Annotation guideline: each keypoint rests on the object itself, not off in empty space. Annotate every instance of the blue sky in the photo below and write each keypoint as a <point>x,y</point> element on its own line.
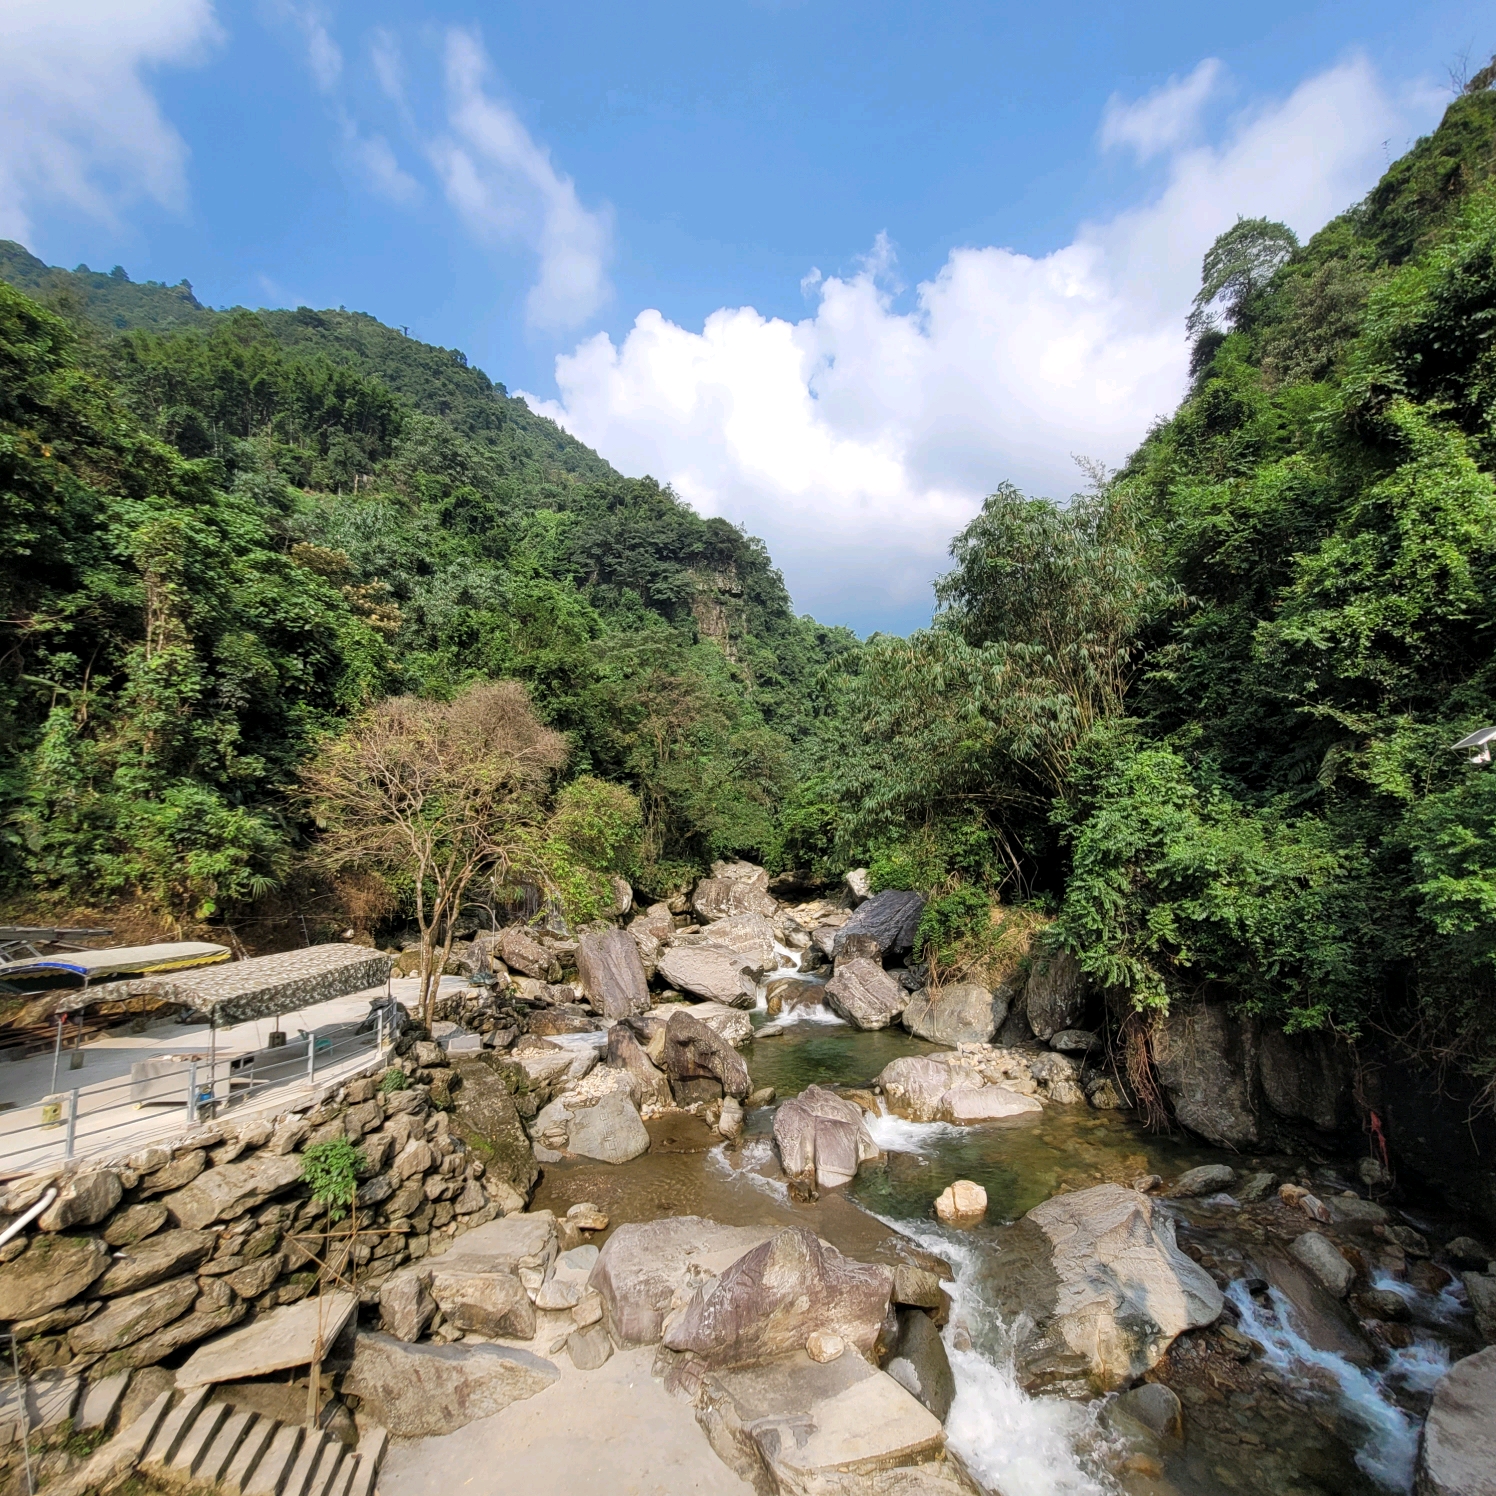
<point>966,232</point>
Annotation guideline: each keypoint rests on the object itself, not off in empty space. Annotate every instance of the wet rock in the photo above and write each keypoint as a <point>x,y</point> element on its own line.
<point>712,972</point>
<point>888,920</point>
<point>694,1052</point>
<point>1102,1288</point>
<point>644,1266</point>
<point>819,1134</point>
<point>733,888</point>
<point>1458,1453</point>
<point>1325,1260</point>
<point>133,1317</point>
<point>1153,1407</point>
<point>1464,1253</point>
<point>968,1105</point>
<point>1354,1211</point>
<point>730,1120</point>
<point>789,993</point>
<point>612,973</point>
<point>157,1257</point>
<point>226,1193</point>
<point>1105,1093</point>
<point>1382,1304</point>
<point>1054,995</point>
<point>964,1013</point>
<point>1480,1291</point>
<point>522,952</point>
<point>83,1201</point>
<point>52,1270</point>
<point>920,1364</point>
<point>938,1088</point>
<point>1254,1187</point>
<point>865,995</point>
<point>768,1302</point>
<point>587,1217</point>
<point>416,1391</point>
<point>961,1203</point>
<point>1205,1061</point>
<point>1205,1180</point>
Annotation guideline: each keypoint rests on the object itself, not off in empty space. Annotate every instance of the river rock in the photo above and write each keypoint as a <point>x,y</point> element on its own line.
<point>651,1086</point>
<point>52,1270</point>
<point>522,952</point>
<point>227,1193</point>
<point>133,1317</point>
<point>941,1088</point>
<point>693,1052</point>
<point>485,1118</point>
<point>643,1267</point>
<point>610,1130</point>
<point>1055,995</point>
<point>589,1347</point>
<point>493,1304</point>
<point>732,1025</point>
<point>155,1258</point>
<point>1325,1260</point>
<point>961,1202</point>
<point>1458,1454</point>
<point>888,919</point>
<point>1480,1291</point>
<point>1206,1180</point>
<point>1074,1041</point>
<point>865,995</point>
<point>920,1364</point>
<point>767,1302</point>
<point>1153,1407</point>
<point>961,1014</point>
<point>733,888</point>
<point>788,993</point>
<point>1205,1061</point>
<point>83,1201</point>
<point>857,887</point>
<point>819,1134</point>
<point>612,974</point>
<point>712,972</point>
<point>416,1391</point>
<point>1465,1254</point>
<point>1099,1289</point>
<point>750,935</point>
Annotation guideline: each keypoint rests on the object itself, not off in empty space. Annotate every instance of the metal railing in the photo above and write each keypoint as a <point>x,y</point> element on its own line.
<point>118,1116</point>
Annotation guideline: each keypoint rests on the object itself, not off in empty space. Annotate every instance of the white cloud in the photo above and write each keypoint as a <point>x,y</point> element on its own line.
<point>375,161</point>
<point>1167,117</point>
<point>506,188</point>
<point>323,55</point>
<point>859,439</point>
<point>79,125</point>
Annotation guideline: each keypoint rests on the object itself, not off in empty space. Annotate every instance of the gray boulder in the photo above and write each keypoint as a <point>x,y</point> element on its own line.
<point>695,1053</point>
<point>485,1118</point>
<point>1206,1180</point>
<point>889,920</point>
<point>644,1266</point>
<point>1480,1291</point>
<point>1097,1288</point>
<point>1152,1407</point>
<point>788,993</point>
<point>961,1014</point>
<point>405,1304</point>
<point>522,952</point>
<point>52,1270</point>
<point>920,1364</point>
<point>416,1391</point>
<point>820,1135</point>
<point>865,995</point>
<point>930,1088</point>
<point>610,1130</point>
<point>1074,1041</point>
<point>1326,1261</point>
<point>1308,1078</point>
<point>750,935</point>
<point>767,1302</point>
<point>493,1304</point>
<point>733,888</point>
<point>711,971</point>
<point>1205,1060</point>
<point>612,974</point>
<point>1458,1453</point>
<point>627,1053</point>
<point>1055,995</point>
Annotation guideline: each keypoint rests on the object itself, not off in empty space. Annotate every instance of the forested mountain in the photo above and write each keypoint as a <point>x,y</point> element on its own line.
<point>228,531</point>
<point>1206,710</point>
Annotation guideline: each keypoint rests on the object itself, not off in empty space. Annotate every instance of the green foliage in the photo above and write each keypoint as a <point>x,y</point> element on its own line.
<point>1237,268</point>
<point>394,1079</point>
<point>331,1170</point>
<point>952,920</point>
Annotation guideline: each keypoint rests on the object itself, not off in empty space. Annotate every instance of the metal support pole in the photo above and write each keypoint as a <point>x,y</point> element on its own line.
<point>192,1092</point>
<point>213,1061</point>
<point>379,1033</point>
<point>311,1054</point>
<point>72,1122</point>
<point>57,1051</point>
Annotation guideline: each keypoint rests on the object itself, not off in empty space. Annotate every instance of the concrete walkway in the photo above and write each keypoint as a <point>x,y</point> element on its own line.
<point>615,1430</point>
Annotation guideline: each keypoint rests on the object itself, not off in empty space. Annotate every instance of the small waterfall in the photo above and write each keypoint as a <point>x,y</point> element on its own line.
<point>1391,1446</point>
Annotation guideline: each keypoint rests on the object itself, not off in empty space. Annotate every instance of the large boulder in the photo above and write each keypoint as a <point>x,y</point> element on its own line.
<point>711,971</point>
<point>964,1013</point>
<point>488,1303</point>
<point>941,1088</point>
<point>821,1136</point>
<point>228,1192</point>
<point>733,888</point>
<point>416,1391</point>
<point>52,1270</point>
<point>612,974</point>
<point>865,995</point>
<point>750,935</point>
<point>606,1127</point>
<point>523,952</point>
<point>626,1052</point>
<point>1055,995</point>
<point>1307,1078</point>
<point>1205,1060</point>
<point>516,1243</point>
<point>485,1118</point>
<point>732,1025</point>
<point>889,920</point>
<point>767,1302</point>
<point>1098,1288</point>
<point>694,1053</point>
<point>644,1267</point>
<point>1458,1453</point>
<point>920,1364</point>
<point>1326,1261</point>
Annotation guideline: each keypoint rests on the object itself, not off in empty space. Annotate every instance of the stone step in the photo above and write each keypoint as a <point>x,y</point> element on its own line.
<point>347,1473</point>
<point>371,1448</point>
<point>246,1461</point>
<point>220,1453</point>
<point>269,1476</point>
<point>196,1439</point>
<point>174,1427</point>
<point>330,1472</point>
<point>300,1482</point>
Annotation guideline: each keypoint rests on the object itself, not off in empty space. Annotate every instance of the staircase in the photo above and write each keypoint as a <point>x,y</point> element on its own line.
<point>183,1439</point>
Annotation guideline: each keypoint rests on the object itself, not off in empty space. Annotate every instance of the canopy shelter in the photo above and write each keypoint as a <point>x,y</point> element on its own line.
<point>266,985</point>
<point>120,961</point>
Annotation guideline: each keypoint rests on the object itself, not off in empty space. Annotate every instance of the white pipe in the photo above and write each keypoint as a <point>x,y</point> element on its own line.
<point>29,1217</point>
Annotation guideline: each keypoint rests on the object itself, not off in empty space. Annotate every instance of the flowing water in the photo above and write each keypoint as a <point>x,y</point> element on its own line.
<point>1309,1415</point>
